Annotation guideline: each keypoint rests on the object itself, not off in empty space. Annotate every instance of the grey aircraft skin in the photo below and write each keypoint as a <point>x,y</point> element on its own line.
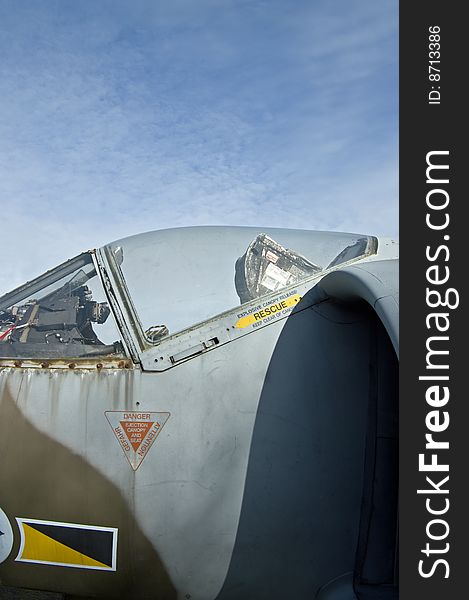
<point>203,413</point>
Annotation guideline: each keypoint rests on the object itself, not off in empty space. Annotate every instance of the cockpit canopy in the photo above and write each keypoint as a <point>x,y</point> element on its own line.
<point>177,278</point>
<point>173,280</point>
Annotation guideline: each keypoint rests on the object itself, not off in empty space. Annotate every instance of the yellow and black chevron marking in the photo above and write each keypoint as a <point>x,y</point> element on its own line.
<point>67,544</point>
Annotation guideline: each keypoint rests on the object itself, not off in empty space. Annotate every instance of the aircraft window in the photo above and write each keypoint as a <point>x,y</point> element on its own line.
<point>355,250</point>
<point>266,267</point>
<point>178,278</point>
<point>62,314</point>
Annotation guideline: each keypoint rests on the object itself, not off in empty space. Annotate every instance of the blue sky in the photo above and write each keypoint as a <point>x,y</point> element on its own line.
<point>123,116</point>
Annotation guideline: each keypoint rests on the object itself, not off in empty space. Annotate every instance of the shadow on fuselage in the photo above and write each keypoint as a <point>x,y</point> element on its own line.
<point>300,517</point>
<point>41,479</point>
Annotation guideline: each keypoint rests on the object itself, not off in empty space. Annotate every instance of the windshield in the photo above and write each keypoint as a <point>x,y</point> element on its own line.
<point>61,314</point>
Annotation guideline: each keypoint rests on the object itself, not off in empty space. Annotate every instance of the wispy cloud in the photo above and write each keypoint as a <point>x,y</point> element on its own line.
<point>120,117</point>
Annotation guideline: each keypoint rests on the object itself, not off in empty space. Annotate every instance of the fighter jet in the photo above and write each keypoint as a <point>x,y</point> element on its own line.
<point>203,413</point>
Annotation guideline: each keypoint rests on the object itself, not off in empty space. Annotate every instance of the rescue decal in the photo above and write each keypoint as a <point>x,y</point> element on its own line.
<point>6,537</point>
<point>136,432</point>
<point>269,311</point>
<point>67,544</point>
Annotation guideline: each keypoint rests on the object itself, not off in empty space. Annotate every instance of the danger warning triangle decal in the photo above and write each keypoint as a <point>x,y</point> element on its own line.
<point>136,432</point>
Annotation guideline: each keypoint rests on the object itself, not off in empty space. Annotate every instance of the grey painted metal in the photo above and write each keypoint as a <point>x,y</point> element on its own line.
<point>340,588</point>
<point>252,488</point>
<point>375,282</point>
